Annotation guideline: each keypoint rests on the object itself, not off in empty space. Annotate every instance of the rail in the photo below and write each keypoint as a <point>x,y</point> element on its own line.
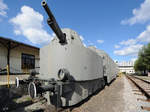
<point>148,82</point>
<point>139,87</point>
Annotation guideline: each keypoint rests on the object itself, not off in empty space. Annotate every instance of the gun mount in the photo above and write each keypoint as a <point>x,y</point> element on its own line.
<point>53,24</point>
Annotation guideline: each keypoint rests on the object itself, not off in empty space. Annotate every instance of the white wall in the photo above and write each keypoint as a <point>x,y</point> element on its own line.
<point>126,66</point>
<point>127,69</point>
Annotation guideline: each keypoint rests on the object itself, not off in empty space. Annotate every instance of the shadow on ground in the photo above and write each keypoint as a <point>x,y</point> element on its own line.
<point>8,96</point>
<point>88,98</point>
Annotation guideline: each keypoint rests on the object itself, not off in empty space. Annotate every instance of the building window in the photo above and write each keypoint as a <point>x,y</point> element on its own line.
<point>27,61</point>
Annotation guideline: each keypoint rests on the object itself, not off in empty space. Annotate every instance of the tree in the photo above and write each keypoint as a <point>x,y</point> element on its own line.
<point>139,65</point>
<point>142,64</point>
<point>147,57</point>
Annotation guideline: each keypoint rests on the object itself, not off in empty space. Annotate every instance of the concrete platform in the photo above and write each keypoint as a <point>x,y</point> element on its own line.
<point>118,97</point>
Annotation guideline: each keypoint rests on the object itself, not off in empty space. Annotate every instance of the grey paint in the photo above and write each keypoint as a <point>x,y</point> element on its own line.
<point>82,63</point>
<point>111,67</point>
<point>73,93</point>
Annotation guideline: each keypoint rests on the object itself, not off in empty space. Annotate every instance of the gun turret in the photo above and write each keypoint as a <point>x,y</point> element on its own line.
<point>53,24</point>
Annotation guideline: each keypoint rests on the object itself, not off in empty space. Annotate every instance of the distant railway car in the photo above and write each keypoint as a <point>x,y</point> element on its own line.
<point>69,72</point>
<point>109,66</point>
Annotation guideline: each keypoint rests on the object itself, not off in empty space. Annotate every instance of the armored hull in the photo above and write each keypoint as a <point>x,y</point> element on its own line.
<point>110,68</point>
<point>82,63</point>
<point>85,67</point>
<point>69,71</point>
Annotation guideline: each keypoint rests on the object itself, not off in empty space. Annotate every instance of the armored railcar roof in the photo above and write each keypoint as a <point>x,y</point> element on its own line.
<point>98,51</point>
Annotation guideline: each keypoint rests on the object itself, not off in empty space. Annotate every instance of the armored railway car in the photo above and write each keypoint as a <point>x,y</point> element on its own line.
<point>69,71</point>
<point>110,68</point>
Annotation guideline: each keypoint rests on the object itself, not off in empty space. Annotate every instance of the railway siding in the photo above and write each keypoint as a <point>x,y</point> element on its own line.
<point>142,91</point>
<point>143,85</point>
<point>143,78</point>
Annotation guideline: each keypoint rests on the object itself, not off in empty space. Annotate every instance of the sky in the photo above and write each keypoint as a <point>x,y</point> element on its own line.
<point>119,27</point>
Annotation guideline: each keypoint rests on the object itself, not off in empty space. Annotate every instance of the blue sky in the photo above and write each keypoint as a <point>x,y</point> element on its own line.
<point>119,27</point>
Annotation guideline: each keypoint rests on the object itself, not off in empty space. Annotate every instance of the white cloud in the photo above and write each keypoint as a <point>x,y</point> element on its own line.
<point>128,42</point>
<point>129,50</point>
<point>29,24</point>
<point>117,46</point>
<point>81,37</point>
<point>84,45</point>
<point>140,15</point>
<point>145,35</point>
<point>53,34</point>
<point>100,41</point>
<point>132,46</point>
<point>89,43</point>
<point>17,32</point>
<point>133,59</point>
<point>95,46</point>
<point>3,8</point>
<point>129,47</point>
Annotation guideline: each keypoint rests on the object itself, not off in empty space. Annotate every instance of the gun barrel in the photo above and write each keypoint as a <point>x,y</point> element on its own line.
<point>53,24</point>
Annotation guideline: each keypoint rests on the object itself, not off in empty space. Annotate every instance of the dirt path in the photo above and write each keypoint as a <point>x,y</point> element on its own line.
<point>117,97</point>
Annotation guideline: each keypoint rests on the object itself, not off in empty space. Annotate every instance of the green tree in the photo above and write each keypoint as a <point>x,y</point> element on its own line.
<point>141,64</point>
<point>147,57</point>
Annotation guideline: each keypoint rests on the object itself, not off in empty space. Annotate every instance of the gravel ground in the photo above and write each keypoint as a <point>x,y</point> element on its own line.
<point>130,99</point>
<point>118,97</point>
<point>142,100</point>
<point>147,78</point>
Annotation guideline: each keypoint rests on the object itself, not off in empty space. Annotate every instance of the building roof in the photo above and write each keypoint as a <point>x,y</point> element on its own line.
<point>4,40</point>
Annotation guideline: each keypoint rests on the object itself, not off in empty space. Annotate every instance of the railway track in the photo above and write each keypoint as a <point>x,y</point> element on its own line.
<point>143,88</point>
<point>146,81</point>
